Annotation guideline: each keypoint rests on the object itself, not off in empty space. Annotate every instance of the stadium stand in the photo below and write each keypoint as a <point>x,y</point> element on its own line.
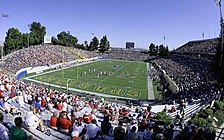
<point>81,111</point>
<point>41,55</point>
<point>88,116</point>
<point>198,47</point>
<point>128,54</point>
<point>193,76</point>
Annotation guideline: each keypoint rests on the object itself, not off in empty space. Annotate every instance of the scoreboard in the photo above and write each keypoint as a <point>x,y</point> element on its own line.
<point>130,45</point>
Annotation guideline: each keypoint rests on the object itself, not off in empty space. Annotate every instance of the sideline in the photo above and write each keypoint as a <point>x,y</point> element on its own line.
<point>150,86</point>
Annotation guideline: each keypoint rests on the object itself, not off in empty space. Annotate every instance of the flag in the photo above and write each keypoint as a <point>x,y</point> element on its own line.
<point>218,2</point>
<point>203,35</point>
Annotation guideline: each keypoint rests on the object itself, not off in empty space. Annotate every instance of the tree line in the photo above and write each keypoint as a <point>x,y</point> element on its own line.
<point>16,40</point>
<point>158,50</point>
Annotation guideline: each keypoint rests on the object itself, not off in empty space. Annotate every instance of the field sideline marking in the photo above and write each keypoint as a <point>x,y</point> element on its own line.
<point>60,69</point>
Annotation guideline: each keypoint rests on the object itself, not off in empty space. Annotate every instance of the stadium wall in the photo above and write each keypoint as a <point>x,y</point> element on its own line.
<point>172,85</point>
<point>41,69</point>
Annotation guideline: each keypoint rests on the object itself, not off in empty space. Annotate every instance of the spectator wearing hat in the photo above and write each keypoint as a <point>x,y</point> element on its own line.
<point>3,129</point>
<point>16,133</point>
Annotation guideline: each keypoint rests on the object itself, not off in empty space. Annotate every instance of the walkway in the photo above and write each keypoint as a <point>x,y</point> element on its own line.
<point>150,85</point>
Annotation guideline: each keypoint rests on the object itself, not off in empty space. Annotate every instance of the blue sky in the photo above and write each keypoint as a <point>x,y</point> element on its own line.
<point>140,21</point>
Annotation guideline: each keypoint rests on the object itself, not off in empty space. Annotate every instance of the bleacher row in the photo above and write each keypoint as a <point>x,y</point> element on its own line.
<point>42,55</point>
<point>199,46</point>
<point>193,108</point>
<point>128,54</point>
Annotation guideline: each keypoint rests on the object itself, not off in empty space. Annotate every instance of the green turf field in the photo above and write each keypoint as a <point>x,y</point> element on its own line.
<point>113,77</point>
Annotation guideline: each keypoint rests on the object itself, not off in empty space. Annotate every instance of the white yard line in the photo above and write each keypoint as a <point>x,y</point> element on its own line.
<point>109,76</point>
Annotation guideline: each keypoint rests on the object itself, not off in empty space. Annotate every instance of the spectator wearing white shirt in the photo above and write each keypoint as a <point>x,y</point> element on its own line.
<point>64,106</point>
<point>32,121</point>
<point>20,100</point>
<point>3,130</point>
<point>77,126</point>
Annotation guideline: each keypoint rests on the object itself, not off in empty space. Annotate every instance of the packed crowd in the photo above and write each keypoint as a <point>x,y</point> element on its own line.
<point>127,54</point>
<point>86,117</point>
<point>193,76</point>
<point>42,55</point>
<point>201,46</point>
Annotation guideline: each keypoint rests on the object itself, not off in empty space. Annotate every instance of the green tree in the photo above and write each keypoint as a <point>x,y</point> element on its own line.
<point>152,49</point>
<point>220,116</point>
<point>162,116</point>
<point>93,44</point>
<point>13,40</point>
<point>37,33</point>
<point>163,51</point>
<point>219,105</point>
<point>25,39</point>
<point>199,120</point>
<point>72,41</point>
<point>54,40</point>
<point>66,39</point>
<point>86,45</point>
<point>104,44</point>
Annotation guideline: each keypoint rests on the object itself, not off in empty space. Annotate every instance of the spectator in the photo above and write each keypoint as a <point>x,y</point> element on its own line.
<point>16,133</point>
<point>133,123</point>
<point>75,135</point>
<point>53,120</point>
<point>20,99</point>
<point>132,135</point>
<point>93,130</point>
<point>148,134</point>
<point>3,129</point>
<point>119,132</point>
<point>59,106</point>
<point>172,109</point>
<point>64,123</point>
<point>106,125</point>
<point>87,118</point>
<point>32,121</point>
<point>83,135</point>
<point>77,126</point>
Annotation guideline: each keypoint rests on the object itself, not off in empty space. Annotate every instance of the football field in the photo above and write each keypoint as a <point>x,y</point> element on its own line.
<point>112,77</point>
